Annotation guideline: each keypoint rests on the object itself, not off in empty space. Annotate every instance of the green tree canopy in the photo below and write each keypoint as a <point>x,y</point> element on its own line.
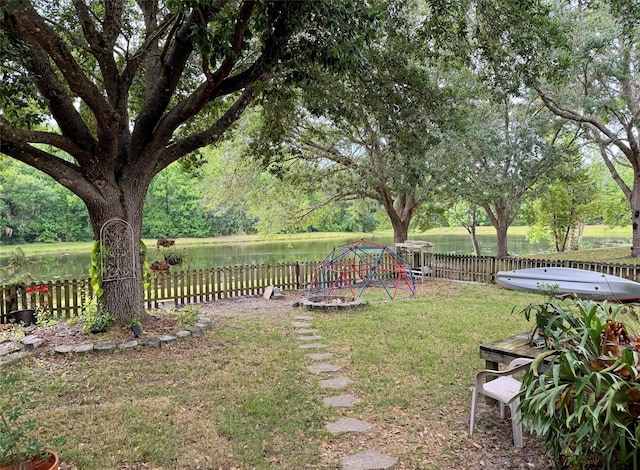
<point>591,78</point>
<point>127,88</point>
<point>369,135</point>
<point>502,158</point>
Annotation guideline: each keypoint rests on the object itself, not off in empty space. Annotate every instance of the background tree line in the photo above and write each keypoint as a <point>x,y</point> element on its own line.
<point>229,196</point>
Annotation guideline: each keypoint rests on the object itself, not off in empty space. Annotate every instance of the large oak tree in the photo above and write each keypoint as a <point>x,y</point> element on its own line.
<point>601,90</point>
<point>103,95</point>
<point>502,159</point>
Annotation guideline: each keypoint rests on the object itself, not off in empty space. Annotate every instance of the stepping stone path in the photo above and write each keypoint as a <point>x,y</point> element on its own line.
<point>309,338</point>
<point>320,356</point>
<point>365,460</point>
<point>348,425</point>
<point>323,368</point>
<point>335,384</point>
<point>313,346</point>
<point>341,401</point>
<point>368,460</point>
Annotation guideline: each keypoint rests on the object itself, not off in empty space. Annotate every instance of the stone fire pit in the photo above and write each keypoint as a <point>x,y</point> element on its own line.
<point>328,302</point>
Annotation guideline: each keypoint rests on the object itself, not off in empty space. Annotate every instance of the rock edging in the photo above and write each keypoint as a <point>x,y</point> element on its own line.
<point>28,346</point>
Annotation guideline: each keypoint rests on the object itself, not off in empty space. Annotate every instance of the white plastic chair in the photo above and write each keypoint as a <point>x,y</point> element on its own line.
<point>502,389</point>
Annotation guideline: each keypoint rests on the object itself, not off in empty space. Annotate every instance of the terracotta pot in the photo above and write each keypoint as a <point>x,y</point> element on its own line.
<point>50,463</point>
<point>26,316</point>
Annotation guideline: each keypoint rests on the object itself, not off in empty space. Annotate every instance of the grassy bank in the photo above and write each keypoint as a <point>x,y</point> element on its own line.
<point>241,396</point>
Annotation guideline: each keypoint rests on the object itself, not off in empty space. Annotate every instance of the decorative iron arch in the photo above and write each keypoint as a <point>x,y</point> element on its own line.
<point>117,243</point>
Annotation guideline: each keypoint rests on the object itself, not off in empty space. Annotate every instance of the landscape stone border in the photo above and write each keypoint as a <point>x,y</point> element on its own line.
<point>328,303</point>
<point>29,344</point>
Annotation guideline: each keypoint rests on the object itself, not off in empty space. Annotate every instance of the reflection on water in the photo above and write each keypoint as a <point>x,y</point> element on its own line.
<point>75,265</point>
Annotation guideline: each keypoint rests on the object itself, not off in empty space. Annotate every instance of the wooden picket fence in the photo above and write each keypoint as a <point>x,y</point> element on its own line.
<point>483,269</point>
<point>66,298</point>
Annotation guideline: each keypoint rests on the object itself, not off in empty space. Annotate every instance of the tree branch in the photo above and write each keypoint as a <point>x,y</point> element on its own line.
<point>31,27</point>
<point>594,122</point>
<point>14,136</point>
<point>208,137</point>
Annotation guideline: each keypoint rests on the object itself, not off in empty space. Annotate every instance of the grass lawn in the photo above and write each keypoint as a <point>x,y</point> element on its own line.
<point>241,396</point>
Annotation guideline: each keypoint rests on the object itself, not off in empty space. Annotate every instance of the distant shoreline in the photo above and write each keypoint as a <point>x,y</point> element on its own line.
<point>595,231</point>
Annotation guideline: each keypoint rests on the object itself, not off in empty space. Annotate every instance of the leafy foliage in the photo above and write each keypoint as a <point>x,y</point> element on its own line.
<point>95,318</point>
<point>502,158</point>
<point>566,204</point>
<point>583,395</point>
<point>370,137</point>
<point>128,88</point>
<point>188,316</point>
<point>593,88</point>
<point>34,208</point>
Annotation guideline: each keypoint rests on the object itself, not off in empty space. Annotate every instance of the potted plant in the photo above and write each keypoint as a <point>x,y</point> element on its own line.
<point>38,298</point>
<point>16,276</point>
<point>19,449</point>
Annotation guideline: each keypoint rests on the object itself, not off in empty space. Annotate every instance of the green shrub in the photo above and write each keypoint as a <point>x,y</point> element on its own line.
<point>95,318</point>
<point>188,316</point>
<point>583,394</point>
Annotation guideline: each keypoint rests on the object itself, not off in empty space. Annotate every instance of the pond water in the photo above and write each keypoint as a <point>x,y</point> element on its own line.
<point>75,265</point>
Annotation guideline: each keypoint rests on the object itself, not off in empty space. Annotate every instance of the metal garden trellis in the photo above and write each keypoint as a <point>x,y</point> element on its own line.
<point>117,261</point>
<point>359,265</point>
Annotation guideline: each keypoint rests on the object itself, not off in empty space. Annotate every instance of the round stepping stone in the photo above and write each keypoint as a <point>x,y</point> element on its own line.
<point>306,331</point>
<point>150,342</point>
<point>341,401</point>
<point>31,342</point>
<point>313,346</point>
<point>104,346</point>
<point>368,460</point>
<point>320,356</point>
<point>348,425</point>
<point>301,324</point>
<point>195,330</point>
<point>309,338</point>
<point>323,368</point>
<point>336,383</point>
<point>304,317</point>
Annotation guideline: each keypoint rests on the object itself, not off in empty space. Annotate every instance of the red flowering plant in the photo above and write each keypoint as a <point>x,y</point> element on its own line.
<point>40,300</point>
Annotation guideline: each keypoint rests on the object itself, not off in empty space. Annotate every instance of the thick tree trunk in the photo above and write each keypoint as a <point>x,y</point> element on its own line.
<point>502,250</point>
<point>122,283</point>
<point>501,220</point>
<point>400,230</point>
<point>634,202</point>
<point>400,212</point>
